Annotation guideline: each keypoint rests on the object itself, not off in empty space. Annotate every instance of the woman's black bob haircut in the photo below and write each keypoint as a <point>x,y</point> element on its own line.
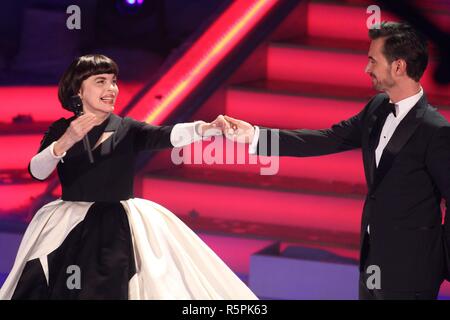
<point>81,69</point>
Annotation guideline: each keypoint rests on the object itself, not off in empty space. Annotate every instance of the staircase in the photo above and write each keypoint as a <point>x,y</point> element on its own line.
<point>309,74</point>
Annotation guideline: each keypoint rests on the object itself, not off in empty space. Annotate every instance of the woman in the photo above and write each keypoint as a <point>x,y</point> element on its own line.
<point>98,241</point>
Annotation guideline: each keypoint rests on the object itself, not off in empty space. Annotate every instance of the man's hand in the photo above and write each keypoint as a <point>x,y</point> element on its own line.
<point>233,129</point>
<point>238,130</point>
<point>214,128</point>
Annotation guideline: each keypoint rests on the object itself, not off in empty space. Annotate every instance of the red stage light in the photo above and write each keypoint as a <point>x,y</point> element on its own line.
<point>225,33</point>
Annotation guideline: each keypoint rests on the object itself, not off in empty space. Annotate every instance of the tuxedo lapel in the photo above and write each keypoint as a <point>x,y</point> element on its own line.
<point>401,136</point>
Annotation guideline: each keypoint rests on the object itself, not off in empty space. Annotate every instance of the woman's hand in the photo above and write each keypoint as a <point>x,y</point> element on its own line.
<point>77,129</point>
<point>213,128</point>
<point>238,130</point>
<point>234,129</point>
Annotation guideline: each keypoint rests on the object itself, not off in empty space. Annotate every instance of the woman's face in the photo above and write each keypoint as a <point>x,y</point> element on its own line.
<point>99,93</point>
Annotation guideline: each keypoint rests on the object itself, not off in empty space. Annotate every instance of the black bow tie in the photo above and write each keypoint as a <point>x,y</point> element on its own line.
<point>390,107</point>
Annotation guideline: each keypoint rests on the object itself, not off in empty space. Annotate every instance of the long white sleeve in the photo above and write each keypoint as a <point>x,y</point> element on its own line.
<point>183,134</point>
<point>43,164</point>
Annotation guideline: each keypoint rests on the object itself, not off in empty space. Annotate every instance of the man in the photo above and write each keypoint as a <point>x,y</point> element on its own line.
<point>406,154</point>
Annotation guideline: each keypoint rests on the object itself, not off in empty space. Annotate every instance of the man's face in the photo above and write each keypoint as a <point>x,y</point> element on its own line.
<point>378,68</point>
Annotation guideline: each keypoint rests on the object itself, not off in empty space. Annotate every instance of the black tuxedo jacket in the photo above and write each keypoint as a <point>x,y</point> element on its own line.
<point>407,239</point>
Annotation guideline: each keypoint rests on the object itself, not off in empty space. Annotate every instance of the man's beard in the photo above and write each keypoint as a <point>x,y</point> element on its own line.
<point>376,85</point>
<point>379,85</point>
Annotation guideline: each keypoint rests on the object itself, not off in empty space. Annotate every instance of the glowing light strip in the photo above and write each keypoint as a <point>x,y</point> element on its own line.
<point>219,49</point>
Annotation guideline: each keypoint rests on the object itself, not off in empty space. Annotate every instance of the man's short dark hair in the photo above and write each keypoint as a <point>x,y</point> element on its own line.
<point>79,70</point>
<point>403,42</point>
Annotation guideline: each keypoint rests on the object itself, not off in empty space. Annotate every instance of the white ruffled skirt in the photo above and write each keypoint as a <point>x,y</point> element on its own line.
<point>171,261</point>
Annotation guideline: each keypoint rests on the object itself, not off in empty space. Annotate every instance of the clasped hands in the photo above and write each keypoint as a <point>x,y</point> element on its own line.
<point>233,129</point>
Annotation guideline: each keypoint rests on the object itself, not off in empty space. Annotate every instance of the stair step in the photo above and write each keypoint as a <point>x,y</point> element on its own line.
<point>41,102</point>
<point>338,173</point>
<point>309,211</point>
<point>360,46</point>
<point>19,190</point>
<point>280,110</point>
<point>290,111</point>
<point>297,63</point>
<point>327,19</point>
<point>14,176</point>
<point>23,147</point>
<point>327,90</point>
<point>343,45</point>
<point>225,226</point>
<point>234,251</point>
<point>306,178</point>
<point>18,196</point>
<point>24,128</point>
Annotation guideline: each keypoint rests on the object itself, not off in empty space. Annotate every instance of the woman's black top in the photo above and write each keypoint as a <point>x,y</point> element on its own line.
<point>110,177</point>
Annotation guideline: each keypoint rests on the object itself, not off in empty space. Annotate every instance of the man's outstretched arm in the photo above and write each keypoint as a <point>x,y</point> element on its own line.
<point>345,135</point>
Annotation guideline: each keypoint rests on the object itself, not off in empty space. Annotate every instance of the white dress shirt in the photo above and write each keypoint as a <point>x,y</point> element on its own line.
<point>402,108</point>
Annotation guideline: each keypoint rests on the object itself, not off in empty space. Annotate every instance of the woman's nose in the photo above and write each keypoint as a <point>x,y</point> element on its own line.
<point>113,87</point>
